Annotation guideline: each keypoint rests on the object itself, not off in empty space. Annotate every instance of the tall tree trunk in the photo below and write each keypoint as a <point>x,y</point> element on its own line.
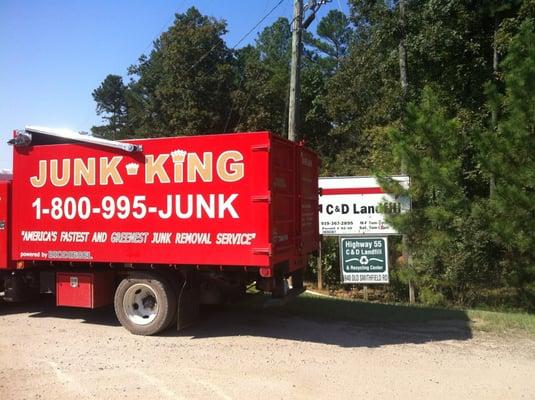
<point>494,114</point>
<point>403,51</point>
<point>404,89</point>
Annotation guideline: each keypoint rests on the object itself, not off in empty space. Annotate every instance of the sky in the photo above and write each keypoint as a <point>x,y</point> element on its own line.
<point>53,53</point>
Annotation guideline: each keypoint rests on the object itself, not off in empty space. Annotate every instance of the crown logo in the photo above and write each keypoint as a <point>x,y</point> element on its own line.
<point>178,156</point>
<point>132,168</point>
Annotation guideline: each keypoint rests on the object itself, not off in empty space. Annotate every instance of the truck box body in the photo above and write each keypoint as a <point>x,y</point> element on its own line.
<point>247,199</point>
<point>5,197</point>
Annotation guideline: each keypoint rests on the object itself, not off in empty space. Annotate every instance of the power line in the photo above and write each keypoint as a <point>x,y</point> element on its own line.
<point>232,108</point>
<point>219,44</point>
<point>258,23</point>
<point>159,32</point>
<point>241,39</point>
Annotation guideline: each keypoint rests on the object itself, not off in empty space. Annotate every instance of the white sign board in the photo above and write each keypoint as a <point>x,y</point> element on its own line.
<point>357,206</point>
<point>364,259</point>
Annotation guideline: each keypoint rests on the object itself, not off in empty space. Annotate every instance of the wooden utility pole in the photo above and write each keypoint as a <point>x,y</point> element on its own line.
<point>295,85</point>
<point>404,90</point>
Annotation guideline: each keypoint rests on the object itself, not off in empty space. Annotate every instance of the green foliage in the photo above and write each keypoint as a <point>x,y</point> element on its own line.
<point>110,97</point>
<point>453,135</point>
<point>429,146</point>
<point>334,37</point>
<point>190,98</point>
<point>431,297</point>
<point>330,263</point>
<point>183,86</point>
<point>508,155</point>
<point>260,100</point>
<point>363,96</point>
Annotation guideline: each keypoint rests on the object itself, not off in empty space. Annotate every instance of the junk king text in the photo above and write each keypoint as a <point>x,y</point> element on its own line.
<point>177,166</point>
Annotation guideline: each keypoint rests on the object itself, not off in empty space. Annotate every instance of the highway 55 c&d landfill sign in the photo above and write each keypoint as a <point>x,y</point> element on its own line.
<point>364,260</point>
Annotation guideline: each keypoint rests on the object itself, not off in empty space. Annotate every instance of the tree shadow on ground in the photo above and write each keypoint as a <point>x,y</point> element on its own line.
<point>45,307</point>
<point>334,321</point>
<point>321,320</point>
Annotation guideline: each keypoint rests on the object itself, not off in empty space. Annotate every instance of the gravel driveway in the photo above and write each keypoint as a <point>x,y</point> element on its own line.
<point>61,353</point>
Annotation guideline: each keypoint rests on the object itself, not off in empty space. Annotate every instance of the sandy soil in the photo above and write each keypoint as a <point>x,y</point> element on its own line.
<point>59,353</point>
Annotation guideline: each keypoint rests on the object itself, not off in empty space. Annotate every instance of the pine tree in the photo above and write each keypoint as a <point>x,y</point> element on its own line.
<point>110,97</point>
<point>509,155</point>
<point>429,144</point>
<point>451,248</point>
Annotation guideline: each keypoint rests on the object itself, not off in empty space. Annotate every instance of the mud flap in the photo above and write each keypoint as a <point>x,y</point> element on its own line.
<point>188,300</point>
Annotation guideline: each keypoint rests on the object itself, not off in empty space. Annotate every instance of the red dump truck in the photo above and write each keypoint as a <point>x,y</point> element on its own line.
<point>155,226</point>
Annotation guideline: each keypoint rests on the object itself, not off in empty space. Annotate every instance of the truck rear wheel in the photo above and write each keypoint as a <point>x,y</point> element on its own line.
<point>145,304</point>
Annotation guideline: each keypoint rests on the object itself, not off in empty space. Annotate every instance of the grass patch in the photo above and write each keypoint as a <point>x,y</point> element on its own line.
<point>503,322</point>
<point>329,308</point>
<point>356,310</point>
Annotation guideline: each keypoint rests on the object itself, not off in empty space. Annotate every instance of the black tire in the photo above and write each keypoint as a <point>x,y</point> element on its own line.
<point>156,297</point>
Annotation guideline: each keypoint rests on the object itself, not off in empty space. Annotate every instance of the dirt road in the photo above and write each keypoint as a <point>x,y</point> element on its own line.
<point>59,353</point>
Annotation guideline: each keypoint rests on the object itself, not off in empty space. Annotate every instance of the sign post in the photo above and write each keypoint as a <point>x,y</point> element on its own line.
<point>320,266</point>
